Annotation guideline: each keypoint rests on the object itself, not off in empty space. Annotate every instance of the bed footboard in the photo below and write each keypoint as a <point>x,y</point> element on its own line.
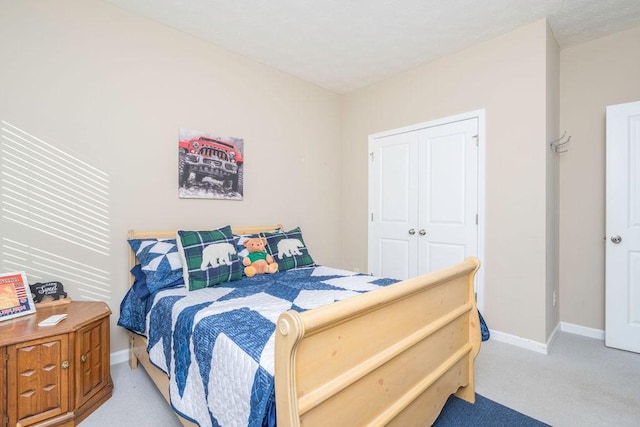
<point>387,357</point>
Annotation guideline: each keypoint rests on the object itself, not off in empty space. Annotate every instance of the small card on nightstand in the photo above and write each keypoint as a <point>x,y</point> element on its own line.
<point>53,320</point>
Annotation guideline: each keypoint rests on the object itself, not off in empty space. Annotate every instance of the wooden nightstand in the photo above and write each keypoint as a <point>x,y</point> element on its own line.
<point>55,375</point>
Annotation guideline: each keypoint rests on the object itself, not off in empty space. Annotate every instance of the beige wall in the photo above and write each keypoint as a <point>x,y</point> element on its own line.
<point>593,75</point>
<point>507,77</point>
<point>553,177</point>
<point>114,89</point>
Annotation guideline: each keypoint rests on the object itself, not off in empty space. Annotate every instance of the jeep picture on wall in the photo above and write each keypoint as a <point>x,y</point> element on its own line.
<point>210,166</point>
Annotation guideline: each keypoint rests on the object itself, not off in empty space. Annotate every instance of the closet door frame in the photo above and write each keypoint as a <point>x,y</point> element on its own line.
<point>480,116</point>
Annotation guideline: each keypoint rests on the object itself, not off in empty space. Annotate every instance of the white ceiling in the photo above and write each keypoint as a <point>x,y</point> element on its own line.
<point>343,45</point>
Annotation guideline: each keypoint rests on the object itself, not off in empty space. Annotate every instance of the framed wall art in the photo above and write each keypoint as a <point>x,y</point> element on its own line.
<point>15,296</point>
<point>210,166</point>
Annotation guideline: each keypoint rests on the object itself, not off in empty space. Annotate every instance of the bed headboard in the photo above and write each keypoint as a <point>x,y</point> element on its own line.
<point>171,234</point>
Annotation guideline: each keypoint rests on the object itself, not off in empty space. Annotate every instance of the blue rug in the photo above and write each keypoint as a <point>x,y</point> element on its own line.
<point>484,412</point>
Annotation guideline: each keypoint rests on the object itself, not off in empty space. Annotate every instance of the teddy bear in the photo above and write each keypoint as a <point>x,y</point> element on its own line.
<point>258,261</point>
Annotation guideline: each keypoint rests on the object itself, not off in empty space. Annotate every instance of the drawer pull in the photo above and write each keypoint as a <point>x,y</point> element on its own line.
<point>83,358</point>
<point>65,364</point>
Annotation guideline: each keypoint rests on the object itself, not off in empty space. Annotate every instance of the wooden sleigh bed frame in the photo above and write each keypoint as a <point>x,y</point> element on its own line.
<point>391,356</point>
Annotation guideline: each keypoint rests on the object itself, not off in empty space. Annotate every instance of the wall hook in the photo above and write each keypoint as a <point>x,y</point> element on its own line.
<point>559,144</point>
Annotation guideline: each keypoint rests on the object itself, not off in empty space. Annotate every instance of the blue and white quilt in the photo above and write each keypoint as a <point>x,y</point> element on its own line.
<point>217,344</point>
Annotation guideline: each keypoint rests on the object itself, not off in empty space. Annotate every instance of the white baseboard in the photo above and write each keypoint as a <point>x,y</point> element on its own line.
<point>582,330</point>
<point>519,342</point>
<point>120,356</point>
<point>542,347</point>
<point>553,336</point>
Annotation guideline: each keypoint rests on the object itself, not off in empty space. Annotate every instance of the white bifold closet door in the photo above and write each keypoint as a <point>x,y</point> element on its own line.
<point>423,199</point>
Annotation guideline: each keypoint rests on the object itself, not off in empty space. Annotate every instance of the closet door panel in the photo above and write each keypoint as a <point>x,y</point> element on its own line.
<point>439,255</point>
<point>394,258</point>
<point>448,201</point>
<point>394,208</point>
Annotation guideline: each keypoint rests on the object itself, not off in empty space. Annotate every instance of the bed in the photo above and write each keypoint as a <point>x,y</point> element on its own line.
<point>381,353</point>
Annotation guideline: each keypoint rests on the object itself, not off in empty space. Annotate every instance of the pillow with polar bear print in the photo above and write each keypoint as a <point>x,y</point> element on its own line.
<point>208,257</point>
<point>288,249</point>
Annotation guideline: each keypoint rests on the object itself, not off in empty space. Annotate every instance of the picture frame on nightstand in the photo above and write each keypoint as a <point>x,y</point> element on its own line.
<point>15,296</point>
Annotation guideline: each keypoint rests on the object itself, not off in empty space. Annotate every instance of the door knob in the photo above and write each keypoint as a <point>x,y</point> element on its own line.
<point>616,239</point>
<point>412,231</point>
<point>422,232</point>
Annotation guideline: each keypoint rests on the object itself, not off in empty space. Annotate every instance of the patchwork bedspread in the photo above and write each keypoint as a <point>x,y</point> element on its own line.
<point>217,344</point>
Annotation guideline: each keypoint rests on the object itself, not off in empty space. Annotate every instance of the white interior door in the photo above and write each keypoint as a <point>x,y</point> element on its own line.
<point>623,227</point>
<point>423,198</point>
<point>393,185</point>
<point>448,205</point>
